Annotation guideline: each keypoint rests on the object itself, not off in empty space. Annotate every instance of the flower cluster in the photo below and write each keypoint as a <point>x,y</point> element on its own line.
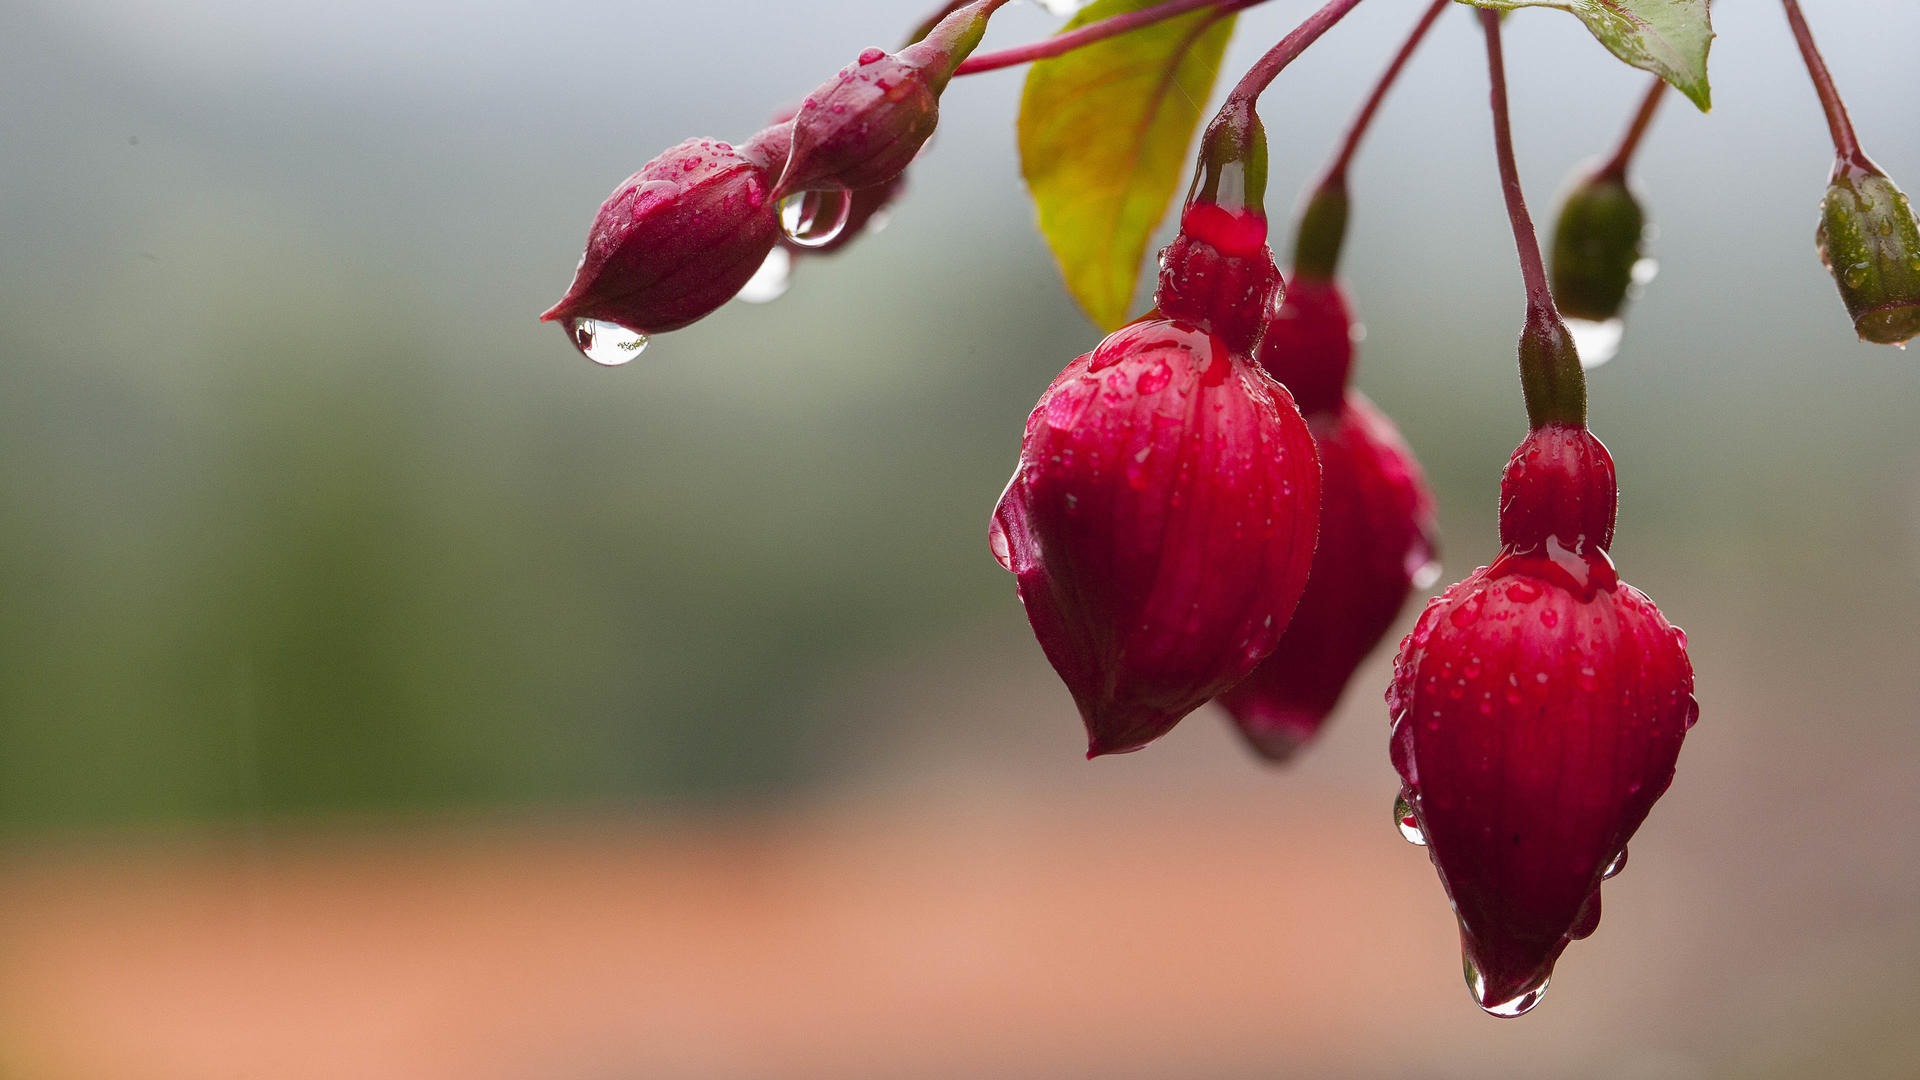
<point>1205,509</point>
<point>692,227</point>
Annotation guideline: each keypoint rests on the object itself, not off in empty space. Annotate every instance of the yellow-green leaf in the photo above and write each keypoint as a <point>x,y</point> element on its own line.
<point>1667,37</point>
<point>1104,133</point>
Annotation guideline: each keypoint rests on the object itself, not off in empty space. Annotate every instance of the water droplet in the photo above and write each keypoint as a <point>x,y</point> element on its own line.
<point>1423,569</point>
<point>1679,637</point>
<point>1597,342</point>
<point>769,283</point>
<point>815,218</point>
<point>1618,864</point>
<point>872,56</point>
<point>604,343</point>
<point>1506,1010</point>
<point>1408,825</point>
<point>1467,613</point>
<point>997,540</point>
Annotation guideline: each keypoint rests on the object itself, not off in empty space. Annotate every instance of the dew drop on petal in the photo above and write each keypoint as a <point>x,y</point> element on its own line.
<point>1618,864</point>
<point>1596,342</point>
<point>997,540</point>
<point>769,283</point>
<point>605,343</point>
<point>1408,825</point>
<point>816,218</point>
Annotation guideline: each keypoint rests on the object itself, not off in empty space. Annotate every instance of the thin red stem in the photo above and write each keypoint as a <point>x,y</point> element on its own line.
<point>1845,146</point>
<point>1336,175</point>
<point>1616,165</point>
<point>1263,72</point>
<point>1532,269</point>
<point>1550,375</point>
<point>1086,35</point>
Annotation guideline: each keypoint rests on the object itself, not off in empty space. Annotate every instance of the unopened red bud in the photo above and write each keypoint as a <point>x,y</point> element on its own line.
<point>1870,242</point>
<point>1538,710</point>
<point>863,126</point>
<point>1161,525</point>
<point>1376,528</point>
<point>672,243</point>
<point>1559,486</point>
<point>1376,542</point>
<point>1597,242</point>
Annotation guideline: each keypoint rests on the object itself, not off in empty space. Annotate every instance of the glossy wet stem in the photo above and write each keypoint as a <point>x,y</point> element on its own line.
<point>1061,44</point>
<point>1845,146</point>
<point>1616,166</point>
<point>1323,226</point>
<point>1550,375</point>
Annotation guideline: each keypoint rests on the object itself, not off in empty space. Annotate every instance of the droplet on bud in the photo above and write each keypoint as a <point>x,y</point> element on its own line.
<point>1597,342</point>
<point>1618,864</point>
<point>769,283</point>
<point>1408,825</point>
<point>604,343</point>
<point>1506,1010</point>
<point>815,218</point>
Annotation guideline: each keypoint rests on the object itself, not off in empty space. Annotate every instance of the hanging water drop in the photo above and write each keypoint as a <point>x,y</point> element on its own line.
<point>814,219</point>
<point>1618,864</point>
<point>769,283</point>
<point>1597,342</point>
<point>998,542</point>
<point>605,343</point>
<point>1423,570</point>
<point>1506,1010</point>
<point>1404,820</point>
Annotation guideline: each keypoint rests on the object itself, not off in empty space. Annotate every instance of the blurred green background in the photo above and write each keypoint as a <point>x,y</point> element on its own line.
<point>308,519</point>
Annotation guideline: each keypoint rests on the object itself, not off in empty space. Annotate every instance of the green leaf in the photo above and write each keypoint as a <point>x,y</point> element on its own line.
<point>1104,133</point>
<point>1667,37</point>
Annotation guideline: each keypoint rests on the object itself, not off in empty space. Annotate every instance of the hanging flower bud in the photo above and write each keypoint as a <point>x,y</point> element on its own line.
<point>1376,528</point>
<point>1161,520</point>
<point>863,126</point>
<point>1161,525</point>
<point>1870,242</point>
<point>1597,242</point>
<point>672,243</point>
<point>1538,710</point>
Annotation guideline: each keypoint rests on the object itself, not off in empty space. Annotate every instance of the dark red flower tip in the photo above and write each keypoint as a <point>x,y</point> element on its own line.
<point>1538,710</point>
<point>1218,274</point>
<point>1160,524</point>
<point>1308,345</point>
<point>674,241</point>
<point>1559,489</point>
<point>1376,540</point>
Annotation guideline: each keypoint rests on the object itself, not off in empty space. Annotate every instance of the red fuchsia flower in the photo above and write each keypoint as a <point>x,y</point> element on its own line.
<point>1161,520</point>
<point>1376,527</point>
<point>1538,709</point>
<point>674,241</point>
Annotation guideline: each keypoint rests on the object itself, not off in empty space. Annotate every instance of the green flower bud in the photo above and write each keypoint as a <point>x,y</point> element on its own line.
<point>1596,243</point>
<point>1870,243</point>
